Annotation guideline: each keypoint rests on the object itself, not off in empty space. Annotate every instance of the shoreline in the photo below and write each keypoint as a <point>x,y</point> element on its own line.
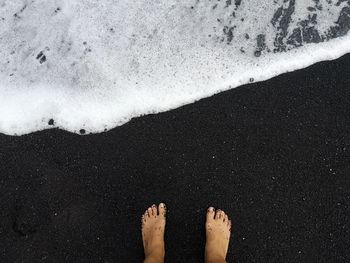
<point>274,155</point>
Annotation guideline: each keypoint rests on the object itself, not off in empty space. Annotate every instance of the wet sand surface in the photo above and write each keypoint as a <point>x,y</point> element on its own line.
<point>274,155</point>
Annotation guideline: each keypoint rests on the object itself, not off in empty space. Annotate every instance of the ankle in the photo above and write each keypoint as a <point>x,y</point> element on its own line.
<point>214,257</point>
<point>155,257</point>
<point>156,249</point>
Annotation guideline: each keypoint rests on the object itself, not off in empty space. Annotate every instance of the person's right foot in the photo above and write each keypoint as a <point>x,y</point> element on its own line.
<point>153,227</point>
<point>218,231</point>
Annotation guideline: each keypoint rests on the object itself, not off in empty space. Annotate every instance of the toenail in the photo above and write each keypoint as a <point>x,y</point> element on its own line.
<point>162,205</point>
<point>153,205</point>
<point>211,209</point>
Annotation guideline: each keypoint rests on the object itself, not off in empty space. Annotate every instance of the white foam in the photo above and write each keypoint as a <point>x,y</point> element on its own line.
<point>107,62</point>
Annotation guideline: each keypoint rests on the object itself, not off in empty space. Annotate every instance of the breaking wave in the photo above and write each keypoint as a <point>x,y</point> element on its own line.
<point>87,66</point>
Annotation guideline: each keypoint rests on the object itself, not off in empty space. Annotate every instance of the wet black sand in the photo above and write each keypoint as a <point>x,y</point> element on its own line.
<point>275,155</point>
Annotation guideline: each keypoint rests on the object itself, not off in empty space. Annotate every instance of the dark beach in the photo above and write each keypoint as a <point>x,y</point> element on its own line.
<point>274,155</point>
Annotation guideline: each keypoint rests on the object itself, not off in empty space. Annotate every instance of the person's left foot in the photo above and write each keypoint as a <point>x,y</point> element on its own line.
<point>153,227</point>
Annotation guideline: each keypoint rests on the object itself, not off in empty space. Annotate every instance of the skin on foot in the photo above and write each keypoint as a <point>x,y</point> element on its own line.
<point>218,232</point>
<point>153,227</point>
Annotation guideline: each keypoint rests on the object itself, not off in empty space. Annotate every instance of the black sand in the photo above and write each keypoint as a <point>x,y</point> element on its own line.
<point>274,155</point>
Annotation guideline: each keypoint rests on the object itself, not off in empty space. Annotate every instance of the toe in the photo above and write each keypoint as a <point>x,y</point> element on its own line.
<point>217,215</point>
<point>154,210</point>
<point>222,215</point>
<point>210,213</point>
<point>225,218</point>
<point>149,210</point>
<point>229,224</point>
<point>162,209</point>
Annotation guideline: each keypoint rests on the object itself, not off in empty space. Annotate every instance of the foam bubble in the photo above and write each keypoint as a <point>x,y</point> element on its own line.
<point>93,65</point>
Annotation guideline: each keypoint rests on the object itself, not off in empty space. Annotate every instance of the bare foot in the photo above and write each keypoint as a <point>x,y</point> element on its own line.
<point>153,227</point>
<point>218,231</point>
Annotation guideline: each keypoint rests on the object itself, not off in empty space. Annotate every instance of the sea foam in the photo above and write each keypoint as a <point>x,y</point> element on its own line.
<point>88,66</point>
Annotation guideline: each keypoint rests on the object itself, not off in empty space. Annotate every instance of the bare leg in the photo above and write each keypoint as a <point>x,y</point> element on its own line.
<point>153,227</point>
<point>218,231</point>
